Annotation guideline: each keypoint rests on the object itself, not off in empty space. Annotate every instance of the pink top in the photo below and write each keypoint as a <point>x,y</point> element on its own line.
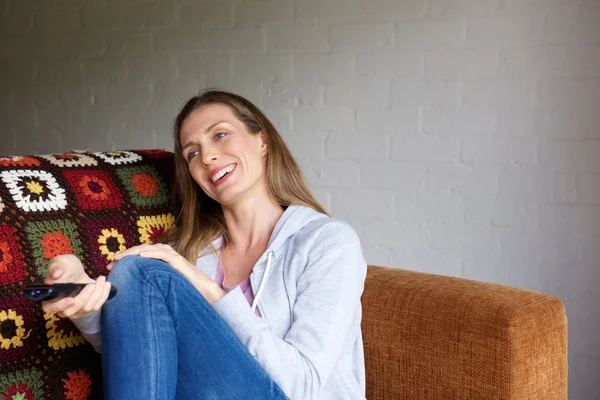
<point>244,285</point>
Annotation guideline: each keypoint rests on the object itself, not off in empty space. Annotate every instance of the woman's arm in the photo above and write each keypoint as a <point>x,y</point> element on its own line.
<point>324,315</point>
<point>90,323</point>
<point>91,328</point>
<point>84,308</point>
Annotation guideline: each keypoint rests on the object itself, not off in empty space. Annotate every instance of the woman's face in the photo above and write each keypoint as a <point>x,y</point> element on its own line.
<point>224,158</point>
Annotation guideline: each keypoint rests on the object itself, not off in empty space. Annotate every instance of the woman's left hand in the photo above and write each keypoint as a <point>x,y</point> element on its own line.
<point>206,286</point>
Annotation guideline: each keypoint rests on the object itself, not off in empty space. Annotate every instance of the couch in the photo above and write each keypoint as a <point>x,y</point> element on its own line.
<point>425,336</point>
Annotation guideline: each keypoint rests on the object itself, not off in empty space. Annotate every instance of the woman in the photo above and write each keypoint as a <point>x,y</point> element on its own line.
<point>258,295</point>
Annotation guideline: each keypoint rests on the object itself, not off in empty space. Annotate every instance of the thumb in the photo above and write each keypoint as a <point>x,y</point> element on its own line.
<point>54,272</point>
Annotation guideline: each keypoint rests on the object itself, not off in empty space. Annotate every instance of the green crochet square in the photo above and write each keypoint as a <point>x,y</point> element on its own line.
<point>49,239</point>
<point>24,384</point>
<point>144,186</point>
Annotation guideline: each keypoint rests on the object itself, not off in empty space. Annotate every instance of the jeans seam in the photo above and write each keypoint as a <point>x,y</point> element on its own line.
<point>152,344</point>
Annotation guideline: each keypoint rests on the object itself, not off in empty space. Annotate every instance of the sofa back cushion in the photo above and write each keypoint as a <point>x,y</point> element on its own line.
<point>88,204</point>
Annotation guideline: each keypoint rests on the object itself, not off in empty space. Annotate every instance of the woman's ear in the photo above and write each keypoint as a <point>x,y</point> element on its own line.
<point>264,148</point>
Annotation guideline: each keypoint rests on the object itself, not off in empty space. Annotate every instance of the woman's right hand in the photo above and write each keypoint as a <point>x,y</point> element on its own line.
<point>67,268</point>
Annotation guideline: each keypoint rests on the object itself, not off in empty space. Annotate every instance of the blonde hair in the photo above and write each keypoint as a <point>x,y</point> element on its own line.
<point>199,218</point>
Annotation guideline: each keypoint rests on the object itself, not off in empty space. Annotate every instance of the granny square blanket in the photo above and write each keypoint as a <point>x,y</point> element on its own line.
<point>88,204</point>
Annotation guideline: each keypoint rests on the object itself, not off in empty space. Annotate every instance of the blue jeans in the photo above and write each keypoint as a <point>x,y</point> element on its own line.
<point>162,340</point>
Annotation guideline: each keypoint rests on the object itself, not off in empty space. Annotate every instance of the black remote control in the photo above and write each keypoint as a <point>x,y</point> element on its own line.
<point>50,291</point>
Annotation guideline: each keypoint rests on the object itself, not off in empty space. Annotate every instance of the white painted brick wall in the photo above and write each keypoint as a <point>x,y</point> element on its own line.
<point>459,137</point>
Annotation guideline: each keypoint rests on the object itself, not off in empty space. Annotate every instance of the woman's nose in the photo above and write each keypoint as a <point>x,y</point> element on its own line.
<point>209,156</point>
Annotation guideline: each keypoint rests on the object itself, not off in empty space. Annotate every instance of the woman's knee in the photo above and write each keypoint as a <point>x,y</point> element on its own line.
<point>132,268</point>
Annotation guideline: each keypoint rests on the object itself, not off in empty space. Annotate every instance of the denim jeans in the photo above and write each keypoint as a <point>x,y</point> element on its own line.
<point>162,340</point>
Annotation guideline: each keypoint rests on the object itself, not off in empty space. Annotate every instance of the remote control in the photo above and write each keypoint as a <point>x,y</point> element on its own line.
<point>49,291</point>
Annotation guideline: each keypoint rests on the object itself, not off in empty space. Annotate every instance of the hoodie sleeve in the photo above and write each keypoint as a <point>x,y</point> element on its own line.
<point>91,328</point>
<point>324,315</point>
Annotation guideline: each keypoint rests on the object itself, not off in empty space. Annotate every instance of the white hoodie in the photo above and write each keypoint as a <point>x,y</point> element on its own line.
<point>308,285</point>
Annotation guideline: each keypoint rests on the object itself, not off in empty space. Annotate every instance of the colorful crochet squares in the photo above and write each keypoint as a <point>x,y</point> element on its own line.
<point>88,204</point>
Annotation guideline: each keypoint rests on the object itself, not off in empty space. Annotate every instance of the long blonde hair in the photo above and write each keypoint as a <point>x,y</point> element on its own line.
<point>199,218</point>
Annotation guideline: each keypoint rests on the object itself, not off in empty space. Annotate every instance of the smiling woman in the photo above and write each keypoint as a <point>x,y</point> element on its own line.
<point>256,294</point>
<point>225,114</point>
<point>224,158</point>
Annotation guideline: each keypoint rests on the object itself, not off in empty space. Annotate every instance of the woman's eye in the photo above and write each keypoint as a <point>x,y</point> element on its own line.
<point>220,135</point>
<point>191,155</point>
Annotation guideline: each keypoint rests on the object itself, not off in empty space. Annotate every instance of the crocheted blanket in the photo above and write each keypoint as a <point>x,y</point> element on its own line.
<point>88,204</point>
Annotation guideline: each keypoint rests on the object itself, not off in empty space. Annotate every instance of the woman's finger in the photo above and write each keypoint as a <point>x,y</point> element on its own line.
<point>66,268</point>
<point>57,305</point>
<point>104,297</point>
<point>132,251</point>
<point>176,261</point>
<point>55,271</point>
<point>80,300</point>
<point>160,254</point>
<point>90,306</point>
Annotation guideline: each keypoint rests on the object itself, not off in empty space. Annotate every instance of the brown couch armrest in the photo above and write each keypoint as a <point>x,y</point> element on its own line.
<point>436,337</point>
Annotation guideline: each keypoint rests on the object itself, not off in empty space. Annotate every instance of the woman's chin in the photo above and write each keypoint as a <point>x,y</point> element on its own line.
<point>232,193</point>
<point>227,198</point>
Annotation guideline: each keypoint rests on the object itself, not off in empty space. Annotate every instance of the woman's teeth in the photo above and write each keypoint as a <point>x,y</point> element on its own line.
<point>222,173</point>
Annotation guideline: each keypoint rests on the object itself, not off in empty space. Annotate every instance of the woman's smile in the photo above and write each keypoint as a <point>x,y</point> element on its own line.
<point>220,175</point>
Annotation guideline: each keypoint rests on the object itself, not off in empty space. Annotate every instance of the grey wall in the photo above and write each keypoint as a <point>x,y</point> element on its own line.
<point>459,137</point>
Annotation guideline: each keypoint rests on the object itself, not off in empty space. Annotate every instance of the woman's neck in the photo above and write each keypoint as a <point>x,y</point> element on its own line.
<point>251,222</point>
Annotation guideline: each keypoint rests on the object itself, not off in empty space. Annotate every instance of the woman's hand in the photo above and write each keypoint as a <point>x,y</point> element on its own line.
<point>206,286</point>
<point>68,269</point>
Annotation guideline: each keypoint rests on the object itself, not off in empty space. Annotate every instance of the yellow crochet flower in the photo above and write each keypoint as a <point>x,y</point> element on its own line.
<point>57,338</point>
<point>103,240</point>
<point>15,341</point>
<point>35,187</point>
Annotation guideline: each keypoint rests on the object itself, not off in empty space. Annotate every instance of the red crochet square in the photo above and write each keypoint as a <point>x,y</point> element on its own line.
<point>12,266</point>
<point>155,153</point>
<point>94,189</point>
